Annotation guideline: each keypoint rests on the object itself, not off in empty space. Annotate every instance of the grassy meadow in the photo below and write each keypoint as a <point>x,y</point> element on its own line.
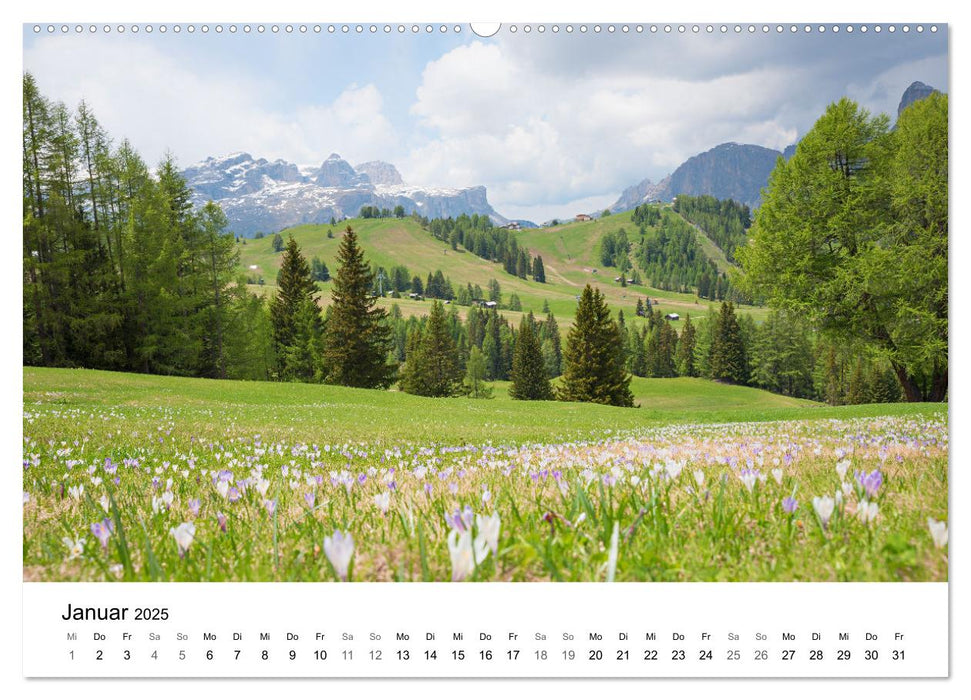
<point>570,252</point>
<point>135,477</point>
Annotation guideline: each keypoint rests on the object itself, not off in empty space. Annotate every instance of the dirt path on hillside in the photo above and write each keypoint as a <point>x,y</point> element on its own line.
<point>564,280</point>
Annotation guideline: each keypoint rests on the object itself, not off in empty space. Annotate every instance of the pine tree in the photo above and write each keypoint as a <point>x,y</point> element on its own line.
<point>432,367</point>
<point>539,272</point>
<point>592,368</point>
<point>358,339</point>
<point>552,346</point>
<point>277,243</point>
<point>685,358</point>
<point>529,377</point>
<point>727,359</point>
<point>296,288</point>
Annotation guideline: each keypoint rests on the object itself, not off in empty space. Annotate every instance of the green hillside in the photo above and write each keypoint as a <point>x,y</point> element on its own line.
<point>570,254</point>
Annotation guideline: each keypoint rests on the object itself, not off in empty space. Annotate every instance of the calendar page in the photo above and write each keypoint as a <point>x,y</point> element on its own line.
<point>453,350</point>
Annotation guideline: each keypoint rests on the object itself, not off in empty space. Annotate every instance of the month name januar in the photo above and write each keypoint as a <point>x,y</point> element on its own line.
<point>76,613</point>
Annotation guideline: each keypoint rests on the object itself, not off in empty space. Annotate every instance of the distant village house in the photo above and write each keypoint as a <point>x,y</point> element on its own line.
<point>584,217</point>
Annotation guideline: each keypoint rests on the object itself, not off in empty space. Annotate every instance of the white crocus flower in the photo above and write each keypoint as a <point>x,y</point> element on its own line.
<point>488,537</point>
<point>612,555</point>
<point>76,492</point>
<point>183,534</point>
<point>824,505</point>
<point>383,501</point>
<point>777,475</point>
<point>74,547</point>
<point>938,532</point>
<point>460,551</point>
<point>339,549</point>
<point>699,477</point>
<point>841,468</point>
<point>222,487</point>
<point>867,511</point>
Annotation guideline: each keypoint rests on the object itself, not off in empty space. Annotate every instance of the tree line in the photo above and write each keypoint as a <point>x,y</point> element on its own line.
<point>478,235</point>
<point>120,272</point>
<point>724,221</point>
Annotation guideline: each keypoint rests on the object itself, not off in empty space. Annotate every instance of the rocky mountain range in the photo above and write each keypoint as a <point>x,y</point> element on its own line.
<point>261,195</point>
<point>730,170</point>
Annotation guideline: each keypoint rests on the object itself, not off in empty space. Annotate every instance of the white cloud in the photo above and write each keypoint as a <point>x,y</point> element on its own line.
<point>159,102</point>
<point>540,138</point>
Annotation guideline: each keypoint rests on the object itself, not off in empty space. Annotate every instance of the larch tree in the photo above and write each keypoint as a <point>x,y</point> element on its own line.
<point>852,233</point>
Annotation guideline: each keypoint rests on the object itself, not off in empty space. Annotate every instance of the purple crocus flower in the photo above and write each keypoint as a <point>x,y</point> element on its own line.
<point>870,482</point>
<point>310,498</point>
<point>233,494</point>
<point>789,504</point>
<point>194,505</point>
<point>221,517</point>
<point>102,531</point>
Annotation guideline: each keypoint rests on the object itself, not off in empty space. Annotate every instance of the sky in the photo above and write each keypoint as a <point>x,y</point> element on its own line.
<point>552,124</point>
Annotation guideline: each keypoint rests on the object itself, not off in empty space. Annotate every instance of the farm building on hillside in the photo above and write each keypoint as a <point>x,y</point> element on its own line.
<point>584,217</point>
<point>512,226</point>
<point>672,317</point>
<point>484,304</point>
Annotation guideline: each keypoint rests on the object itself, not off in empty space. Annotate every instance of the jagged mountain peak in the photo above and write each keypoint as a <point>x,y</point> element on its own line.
<point>915,91</point>
<point>380,173</point>
<point>258,195</point>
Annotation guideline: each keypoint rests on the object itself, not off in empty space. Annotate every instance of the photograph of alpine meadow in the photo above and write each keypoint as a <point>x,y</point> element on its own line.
<point>407,303</point>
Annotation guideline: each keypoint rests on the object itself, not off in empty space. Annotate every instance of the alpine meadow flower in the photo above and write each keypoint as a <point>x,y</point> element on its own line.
<point>824,505</point>
<point>777,475</point>
<point>75,548</point>
<point>339,549</point>
<point>699,477</point>
<point>870,482</point>
<point>867,511</point>
<point>841,467</point>
<point>460,551</point>
<point>789,504</point>
<point>938,532</point>
<point>612,554</point>
<point>749,477</point>
<point>102,531</point>
<point>488,533</point>
<point>382,501</point>
<point>183,534</point>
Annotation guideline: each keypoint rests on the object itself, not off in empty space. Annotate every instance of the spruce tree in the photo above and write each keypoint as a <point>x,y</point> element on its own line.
<point>552,346</point>
<point>529,378</point>
<point>432,367</point>
<point>296,288</point>
<point>358,339</point>
<point>685,358</point>
<point>592,367</point>
<point>727,361</point>
<point>539,272</point>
